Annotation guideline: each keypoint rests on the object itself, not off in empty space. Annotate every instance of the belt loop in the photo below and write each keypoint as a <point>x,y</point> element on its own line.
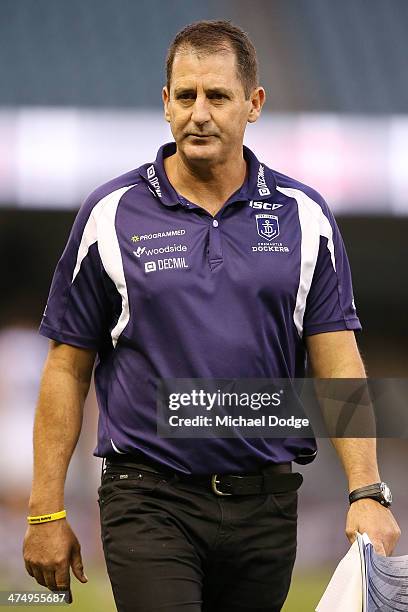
<point>103,468</point>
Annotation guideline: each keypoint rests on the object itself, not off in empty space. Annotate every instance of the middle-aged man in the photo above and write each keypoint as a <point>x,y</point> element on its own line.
<point>170,272</point>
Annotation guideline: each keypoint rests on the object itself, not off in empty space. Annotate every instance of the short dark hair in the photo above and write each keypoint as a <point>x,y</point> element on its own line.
<point>213,36</point>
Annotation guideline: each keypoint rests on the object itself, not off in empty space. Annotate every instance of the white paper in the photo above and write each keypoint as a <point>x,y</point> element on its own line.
<point>344,589</point>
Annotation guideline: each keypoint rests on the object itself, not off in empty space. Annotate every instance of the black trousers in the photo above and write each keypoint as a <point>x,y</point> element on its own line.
<point>172,546</point>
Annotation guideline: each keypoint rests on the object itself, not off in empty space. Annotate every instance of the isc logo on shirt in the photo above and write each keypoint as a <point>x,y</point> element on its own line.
<point>264,205</point>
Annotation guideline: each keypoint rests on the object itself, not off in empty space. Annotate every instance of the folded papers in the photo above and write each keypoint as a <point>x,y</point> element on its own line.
<point>367,582</point>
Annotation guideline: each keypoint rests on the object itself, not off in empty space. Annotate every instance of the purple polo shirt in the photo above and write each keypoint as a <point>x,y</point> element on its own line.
<point>161,289</point>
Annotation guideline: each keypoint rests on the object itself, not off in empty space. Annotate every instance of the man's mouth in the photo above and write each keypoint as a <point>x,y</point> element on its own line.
<point>203,136</point>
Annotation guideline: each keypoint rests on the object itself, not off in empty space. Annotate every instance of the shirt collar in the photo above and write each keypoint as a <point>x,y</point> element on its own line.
<point>156,178</point>
<point>260,183</point>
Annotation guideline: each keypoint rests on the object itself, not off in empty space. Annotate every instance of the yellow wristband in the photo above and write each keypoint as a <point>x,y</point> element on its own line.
<point>46,518</point>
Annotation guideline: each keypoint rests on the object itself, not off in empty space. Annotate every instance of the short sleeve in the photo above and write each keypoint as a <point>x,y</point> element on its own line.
<point>330,303</point>
<point>79,309</point>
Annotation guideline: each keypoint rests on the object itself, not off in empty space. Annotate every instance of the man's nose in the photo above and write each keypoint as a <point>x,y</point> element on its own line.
<point>201,111</point>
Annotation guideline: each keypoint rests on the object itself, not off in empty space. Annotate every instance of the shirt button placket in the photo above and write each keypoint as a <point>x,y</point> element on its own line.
<point>214,247</point>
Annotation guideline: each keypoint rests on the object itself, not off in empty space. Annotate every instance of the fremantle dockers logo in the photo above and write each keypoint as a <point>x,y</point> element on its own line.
<point>267,226</point>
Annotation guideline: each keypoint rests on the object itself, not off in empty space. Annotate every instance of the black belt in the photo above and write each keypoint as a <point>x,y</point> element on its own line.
<point>274,478</point>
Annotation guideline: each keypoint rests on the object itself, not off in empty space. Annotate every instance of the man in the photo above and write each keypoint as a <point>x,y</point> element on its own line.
<point>203,264</point>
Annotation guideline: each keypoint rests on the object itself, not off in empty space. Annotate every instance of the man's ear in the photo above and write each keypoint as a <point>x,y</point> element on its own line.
<point>258,97</point>
<point>166,99</point>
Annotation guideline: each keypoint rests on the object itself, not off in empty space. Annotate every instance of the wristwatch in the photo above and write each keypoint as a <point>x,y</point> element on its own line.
<point>379,491</point>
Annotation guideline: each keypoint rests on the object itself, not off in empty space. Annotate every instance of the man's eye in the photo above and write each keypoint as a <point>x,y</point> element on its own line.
<point>185,96</point>
<point>217,96</point>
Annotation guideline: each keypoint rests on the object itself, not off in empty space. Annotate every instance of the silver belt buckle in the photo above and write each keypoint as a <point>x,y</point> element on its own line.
<point>214,482</point>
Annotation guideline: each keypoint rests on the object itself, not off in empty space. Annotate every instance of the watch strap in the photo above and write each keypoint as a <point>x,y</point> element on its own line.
<point>372,491</point>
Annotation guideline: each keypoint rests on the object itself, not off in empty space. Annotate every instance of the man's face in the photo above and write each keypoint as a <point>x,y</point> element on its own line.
<point>206,106</point>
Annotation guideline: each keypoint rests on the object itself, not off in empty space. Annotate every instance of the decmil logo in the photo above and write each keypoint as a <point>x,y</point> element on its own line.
<point>261,183</point>
<point>153,180</point>
<point>173,263</point>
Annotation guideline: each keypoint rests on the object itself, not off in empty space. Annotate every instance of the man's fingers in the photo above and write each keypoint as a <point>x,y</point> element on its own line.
<point>52,579</point>
<point>379,548</point>
<point>351,535</point>
<point>62,580</point>
<point>38,575</point>
<point>29,569</point>
<point>68,598</point>
<point>49,576</point>
<point>77,567</point>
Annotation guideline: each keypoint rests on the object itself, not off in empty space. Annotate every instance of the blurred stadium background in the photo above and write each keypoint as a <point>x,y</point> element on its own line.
<point>80,103</point>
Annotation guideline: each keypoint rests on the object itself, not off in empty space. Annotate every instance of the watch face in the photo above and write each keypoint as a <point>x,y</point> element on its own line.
<point>385,490</point>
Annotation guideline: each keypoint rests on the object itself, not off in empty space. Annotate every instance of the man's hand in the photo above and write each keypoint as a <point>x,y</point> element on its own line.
<point>49,551</point>
<point>367,515</point>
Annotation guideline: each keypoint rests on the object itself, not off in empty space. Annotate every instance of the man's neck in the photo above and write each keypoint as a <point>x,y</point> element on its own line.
<point>207,186</point>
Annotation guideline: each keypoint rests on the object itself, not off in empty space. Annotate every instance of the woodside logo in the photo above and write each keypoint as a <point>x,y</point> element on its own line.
<point>139,251</point>
<point>160,250</point>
